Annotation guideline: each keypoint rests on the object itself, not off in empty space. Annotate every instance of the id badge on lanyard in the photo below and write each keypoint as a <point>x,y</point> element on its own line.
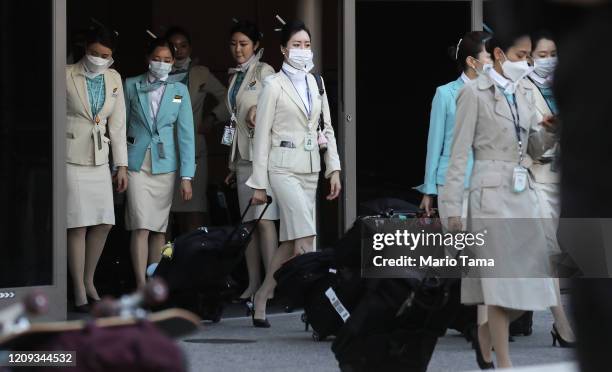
<point>229,132</point>
<point>519,179</point>
<point>310,141</point>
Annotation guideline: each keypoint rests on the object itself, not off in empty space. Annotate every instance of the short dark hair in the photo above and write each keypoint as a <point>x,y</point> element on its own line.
<point>161,42</point>
<point>503,44</point>
<point>102,35</point>
<point>291,28</point>
<point>470,45</point>
<point>536,37</point>
<point>176,30</point>
<point>248,28</point>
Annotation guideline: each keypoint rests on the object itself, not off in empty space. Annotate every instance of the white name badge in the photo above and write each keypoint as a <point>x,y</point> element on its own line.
<point>310,142</point>
<point>228,135</point>
<point>519,179</point>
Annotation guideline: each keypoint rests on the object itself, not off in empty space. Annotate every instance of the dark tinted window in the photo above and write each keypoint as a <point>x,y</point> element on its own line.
<point>26,197</point>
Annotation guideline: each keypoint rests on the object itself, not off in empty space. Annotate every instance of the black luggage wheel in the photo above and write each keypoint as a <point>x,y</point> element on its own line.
<point>316,337</point>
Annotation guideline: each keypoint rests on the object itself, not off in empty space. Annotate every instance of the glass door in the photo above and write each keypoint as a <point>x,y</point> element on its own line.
<point>394,55</point>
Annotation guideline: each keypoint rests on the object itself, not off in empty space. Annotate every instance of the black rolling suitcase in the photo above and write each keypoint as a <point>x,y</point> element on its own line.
<point>396,325</point>
<point>296,277</point>
<point>329,304</point>
<point>325,292</point>
<point>197,273</point>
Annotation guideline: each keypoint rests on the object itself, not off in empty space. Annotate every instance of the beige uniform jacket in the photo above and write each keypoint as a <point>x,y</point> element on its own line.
<point>281,116</point>
<point>247,96</point>
<point>86,143</point>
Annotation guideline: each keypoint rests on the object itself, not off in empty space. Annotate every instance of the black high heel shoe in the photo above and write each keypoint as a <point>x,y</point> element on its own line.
<point>557,337</point>
<point>92,300</point>
<point>260,323</point>
<point>482,364</point>
<point>249,306</point>
<point>82,309</point>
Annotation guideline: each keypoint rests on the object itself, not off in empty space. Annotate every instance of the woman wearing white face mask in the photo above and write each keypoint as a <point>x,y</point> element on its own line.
<point>94,105</point>
<point>286,155</point>
<point>495,118</point>
<point>472,61</point>
<point>545,169</point>
<point>245,87</point>
<point>160,137</point>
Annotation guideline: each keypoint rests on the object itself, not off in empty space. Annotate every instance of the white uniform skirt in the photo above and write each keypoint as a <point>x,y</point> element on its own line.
<point>89,199</point>
<point>149,197</point>
<point>199,183</point>
<point>296,196</point>
<point>244,168</point>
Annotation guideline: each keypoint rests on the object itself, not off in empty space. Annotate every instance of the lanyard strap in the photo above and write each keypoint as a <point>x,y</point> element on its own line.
<point>516,121</point>
<point>156,112</point>
<point>308,109</point>
<point>240,75</point>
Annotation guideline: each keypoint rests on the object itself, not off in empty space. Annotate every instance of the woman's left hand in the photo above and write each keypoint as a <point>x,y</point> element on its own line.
<point>334,186</point>
<point>550,122</point>
<point>186,190</point>
<point>251,116</point>
<point>121,179</point>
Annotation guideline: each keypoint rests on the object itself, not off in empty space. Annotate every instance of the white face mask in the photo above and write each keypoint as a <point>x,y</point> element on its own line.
<point>515,71</point>
<point>160,69</point>
<point>96,65</point>
<point>486,67</point>
<point>545,67</point>
<point>300,59</point>
<point>182,64</point>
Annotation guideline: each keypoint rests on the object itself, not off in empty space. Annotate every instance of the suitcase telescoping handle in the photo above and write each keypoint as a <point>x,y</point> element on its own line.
<point>268,202</point>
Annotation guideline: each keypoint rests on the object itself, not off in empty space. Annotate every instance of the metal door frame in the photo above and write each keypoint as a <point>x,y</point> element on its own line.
<point>56,291</point>
<point>348,102</point>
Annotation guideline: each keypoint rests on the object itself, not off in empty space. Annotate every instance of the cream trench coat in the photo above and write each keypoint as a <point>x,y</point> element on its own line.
<point>514,234</point>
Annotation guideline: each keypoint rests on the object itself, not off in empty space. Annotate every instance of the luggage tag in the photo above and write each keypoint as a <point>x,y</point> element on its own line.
<point>229,132</point>
<point>160,150</point>
<point>519,179</point>
<point>310,141</point>
<point>337,304</point>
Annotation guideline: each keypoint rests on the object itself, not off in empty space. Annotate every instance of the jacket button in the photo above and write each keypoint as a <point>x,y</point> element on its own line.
<point>505,149</point>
